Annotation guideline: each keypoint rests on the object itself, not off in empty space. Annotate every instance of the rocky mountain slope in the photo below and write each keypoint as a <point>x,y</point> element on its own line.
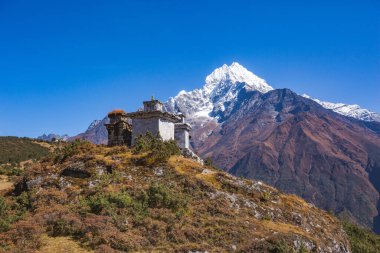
<point>112,200</point>
<point>300,147</point>
<point>95,133</point>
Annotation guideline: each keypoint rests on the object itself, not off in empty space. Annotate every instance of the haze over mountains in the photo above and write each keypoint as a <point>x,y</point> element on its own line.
<point>327,153</point>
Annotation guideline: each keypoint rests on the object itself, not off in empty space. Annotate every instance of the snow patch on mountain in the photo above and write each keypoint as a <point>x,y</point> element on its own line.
<point>93,124</point>
<point>353,111</point>
<point>221,89</point>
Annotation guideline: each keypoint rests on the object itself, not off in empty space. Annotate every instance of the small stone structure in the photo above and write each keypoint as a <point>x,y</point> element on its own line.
<point>182,133</point>
<point>125,128</point>
<point>119,129</point>
<point>154,120</point>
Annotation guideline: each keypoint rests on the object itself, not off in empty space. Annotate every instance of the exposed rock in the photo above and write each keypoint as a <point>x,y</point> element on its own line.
<point>76,170</point>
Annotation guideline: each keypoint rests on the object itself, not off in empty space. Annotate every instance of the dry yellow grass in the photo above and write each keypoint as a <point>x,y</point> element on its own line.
<point>189,167</point>
<point>45,145</point>
<point>210,178</point>
<point>285,228</point>
<point>185,166</point>
<point>5,184</point>
<point>300,204</point>
<point>61,244</point>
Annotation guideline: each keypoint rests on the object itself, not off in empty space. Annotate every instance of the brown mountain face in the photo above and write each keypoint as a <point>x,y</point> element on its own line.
<point>97,134</point>
<point>296,145</point>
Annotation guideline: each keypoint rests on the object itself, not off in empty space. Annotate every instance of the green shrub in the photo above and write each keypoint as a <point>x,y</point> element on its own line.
<point>13,210</point>
<point>3,207</point>
<point>72,148</point>
<point>160,196</point>
<point>265,196</point>
<point>303,248</point>
<point>157,196</point>
<point>4,218</point>
<point>10,170</point>
<point>23,202</point>
<point>208,162</point>
<point>362,240</point>
<point>98,203</point>
<point>109,202</point>
<point>121,200</point>
<point>282,247</point>
<point>159,151</point>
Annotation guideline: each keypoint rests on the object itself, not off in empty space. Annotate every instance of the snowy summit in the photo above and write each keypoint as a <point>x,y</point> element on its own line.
<point>235,73</point>
<point>220,90</point>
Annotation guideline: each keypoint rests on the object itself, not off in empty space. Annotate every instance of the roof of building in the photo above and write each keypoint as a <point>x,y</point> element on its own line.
<point>155,114</point>
<point>152,101</point>
<point>117,112</point>
<point>185,126</point>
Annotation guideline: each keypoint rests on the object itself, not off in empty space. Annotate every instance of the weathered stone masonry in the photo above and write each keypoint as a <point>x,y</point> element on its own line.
<point>124,128</point>
<point>119,129</point>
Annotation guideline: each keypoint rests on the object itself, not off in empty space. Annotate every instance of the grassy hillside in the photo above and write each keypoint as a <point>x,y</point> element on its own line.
<point>149,199</point>
<point>14,150</point>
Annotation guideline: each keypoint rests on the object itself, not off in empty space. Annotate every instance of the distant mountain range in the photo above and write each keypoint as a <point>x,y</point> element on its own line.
<point>52,137</point>
<point>353,111</point>
<point>327,153</point>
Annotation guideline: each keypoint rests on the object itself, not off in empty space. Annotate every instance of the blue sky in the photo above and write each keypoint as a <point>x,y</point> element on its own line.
<point>65,63</point>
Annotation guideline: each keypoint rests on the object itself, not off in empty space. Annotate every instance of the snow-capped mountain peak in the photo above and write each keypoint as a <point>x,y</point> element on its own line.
<point>221,89</point>
<point>353,111</point>
<point>235,73</point>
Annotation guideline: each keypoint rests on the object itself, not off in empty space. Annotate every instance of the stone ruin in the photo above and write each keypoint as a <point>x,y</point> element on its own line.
<point>124,128</point>
<point>119,129</point>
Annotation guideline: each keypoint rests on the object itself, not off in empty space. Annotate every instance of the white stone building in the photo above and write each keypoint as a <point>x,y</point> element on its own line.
<point>154,120</point>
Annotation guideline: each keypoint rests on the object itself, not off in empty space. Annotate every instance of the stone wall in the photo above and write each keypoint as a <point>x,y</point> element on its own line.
<point>152,125</point>
<point>119,134</point>
<point>182,138</point>
<point>166,129</point>
<point>142,126</point>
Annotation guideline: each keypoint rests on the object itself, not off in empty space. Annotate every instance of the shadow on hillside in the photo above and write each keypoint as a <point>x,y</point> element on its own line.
<point>376,221</point>
<point>374,177</point>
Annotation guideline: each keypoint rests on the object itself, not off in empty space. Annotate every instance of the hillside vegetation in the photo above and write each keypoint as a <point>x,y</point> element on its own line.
<point>15,149</point>
<point>15,154</point>
<point>150,199</point>
<point>362,240</point>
